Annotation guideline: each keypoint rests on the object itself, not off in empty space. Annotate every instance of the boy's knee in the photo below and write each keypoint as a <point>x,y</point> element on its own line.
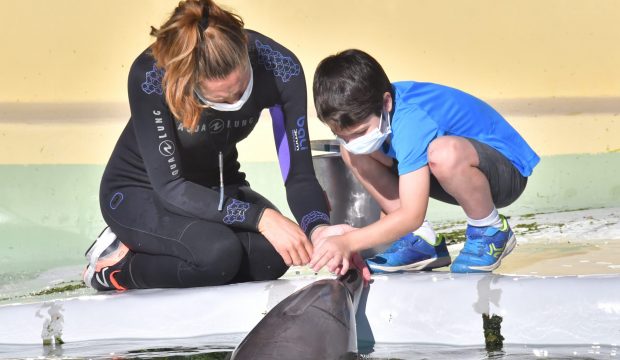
<point>443,156</point>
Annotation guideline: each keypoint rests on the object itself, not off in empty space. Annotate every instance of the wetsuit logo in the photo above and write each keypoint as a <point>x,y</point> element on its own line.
<point>166,148</point>
<point>282,66</point>
<point>153,81</point>
<point>299,135</point>
<point>116,200</point>
<point>216,126</point>
<point>235,212</point>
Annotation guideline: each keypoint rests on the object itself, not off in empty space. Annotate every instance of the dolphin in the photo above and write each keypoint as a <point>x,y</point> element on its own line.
<point>315,322</point>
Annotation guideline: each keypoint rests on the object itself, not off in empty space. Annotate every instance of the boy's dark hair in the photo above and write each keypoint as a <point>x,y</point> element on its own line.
<point>348,87</point>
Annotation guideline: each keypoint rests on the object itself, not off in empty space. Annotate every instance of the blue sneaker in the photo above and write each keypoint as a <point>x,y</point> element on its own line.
<point>411,252</point>
<point>484,249</point>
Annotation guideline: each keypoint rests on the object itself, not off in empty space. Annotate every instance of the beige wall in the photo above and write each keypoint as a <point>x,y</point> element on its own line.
<point>518,52</point>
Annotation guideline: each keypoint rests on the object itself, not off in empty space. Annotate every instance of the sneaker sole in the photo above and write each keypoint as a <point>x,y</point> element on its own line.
<point>92,254</point>
<point>87,275</point>
<point>421,265</point>
<point>89,251</point>
<point>510,245</point>
<point>103,242</point>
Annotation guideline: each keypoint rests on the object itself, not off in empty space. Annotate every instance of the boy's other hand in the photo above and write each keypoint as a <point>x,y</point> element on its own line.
<point>360,264</point>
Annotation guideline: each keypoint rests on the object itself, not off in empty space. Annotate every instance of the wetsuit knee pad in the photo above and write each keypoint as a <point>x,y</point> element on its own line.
<point>213,247</point>
<point>262,260</point>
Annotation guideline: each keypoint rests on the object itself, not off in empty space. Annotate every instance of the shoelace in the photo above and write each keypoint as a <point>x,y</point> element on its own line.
<point>399,244</point>
<point>474,246</point>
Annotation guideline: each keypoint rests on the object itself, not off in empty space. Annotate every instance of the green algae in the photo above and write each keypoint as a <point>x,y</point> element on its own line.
<point>59,289</point>
<point>527,227</point>
<point>494,341</point>
<point>454,236</point>
<point>56,340</point>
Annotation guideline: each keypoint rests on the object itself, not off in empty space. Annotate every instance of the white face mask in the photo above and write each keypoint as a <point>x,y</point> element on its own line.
<point>230,107</point>
<point>370,142</point>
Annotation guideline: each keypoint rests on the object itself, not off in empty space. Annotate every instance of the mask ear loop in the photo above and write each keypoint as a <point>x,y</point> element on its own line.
<point>385,116</point>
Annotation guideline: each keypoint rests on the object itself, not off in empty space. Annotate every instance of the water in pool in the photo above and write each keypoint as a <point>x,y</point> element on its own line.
<point>384,352</point>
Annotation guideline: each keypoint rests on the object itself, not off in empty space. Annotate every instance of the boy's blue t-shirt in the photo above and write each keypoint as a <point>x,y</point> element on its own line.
<point>425,111</point>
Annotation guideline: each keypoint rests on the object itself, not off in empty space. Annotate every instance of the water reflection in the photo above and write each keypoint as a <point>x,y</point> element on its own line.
<point>382,352</point>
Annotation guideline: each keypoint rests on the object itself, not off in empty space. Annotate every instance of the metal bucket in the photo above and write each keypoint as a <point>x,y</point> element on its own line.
<point>350,203</point>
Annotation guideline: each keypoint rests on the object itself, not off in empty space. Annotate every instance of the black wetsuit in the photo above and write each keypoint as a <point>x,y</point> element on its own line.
<point>160,189</point>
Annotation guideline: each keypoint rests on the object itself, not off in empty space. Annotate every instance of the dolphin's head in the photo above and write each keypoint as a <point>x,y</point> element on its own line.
<point>315,322</point>
<point>354,283</point>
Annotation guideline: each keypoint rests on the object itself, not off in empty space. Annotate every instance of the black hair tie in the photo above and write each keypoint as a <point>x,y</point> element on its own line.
<point>204,21</point>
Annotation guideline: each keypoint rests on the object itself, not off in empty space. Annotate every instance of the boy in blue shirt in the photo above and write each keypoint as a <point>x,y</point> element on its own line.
<point>406,142</point>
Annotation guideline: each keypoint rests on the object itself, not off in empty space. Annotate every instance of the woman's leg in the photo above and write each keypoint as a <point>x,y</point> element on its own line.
<point>167,249</point>
<point>260,260</point>
<point>171,250</point>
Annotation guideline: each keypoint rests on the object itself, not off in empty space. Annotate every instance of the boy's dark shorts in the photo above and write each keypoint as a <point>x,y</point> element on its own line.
<point>506,182</point>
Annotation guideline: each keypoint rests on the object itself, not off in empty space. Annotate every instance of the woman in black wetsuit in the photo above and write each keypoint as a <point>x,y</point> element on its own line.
<point>179,211</point>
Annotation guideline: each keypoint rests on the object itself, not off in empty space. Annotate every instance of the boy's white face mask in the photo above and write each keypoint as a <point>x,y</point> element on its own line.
<point>370,142</point>
<point>230,107</point>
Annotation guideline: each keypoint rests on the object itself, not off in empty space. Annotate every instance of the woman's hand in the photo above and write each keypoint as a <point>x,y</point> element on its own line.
<point>286,237</point>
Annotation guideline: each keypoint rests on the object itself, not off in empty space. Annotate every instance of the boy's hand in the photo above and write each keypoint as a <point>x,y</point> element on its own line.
<point>358,261</point>
<point>324,233</point>
<point>333,252</point>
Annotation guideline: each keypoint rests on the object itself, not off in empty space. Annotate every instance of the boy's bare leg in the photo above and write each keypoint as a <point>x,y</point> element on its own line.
<point>376,177</point>
<point>454,160</point>
<point>418,252</point>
